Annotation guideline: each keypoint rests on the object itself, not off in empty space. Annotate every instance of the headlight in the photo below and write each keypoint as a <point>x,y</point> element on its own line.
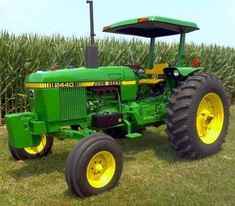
<point>31,94</point>
<point>176,73</point>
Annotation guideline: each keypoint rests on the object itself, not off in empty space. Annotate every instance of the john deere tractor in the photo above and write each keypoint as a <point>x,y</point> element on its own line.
<point>94,104</point>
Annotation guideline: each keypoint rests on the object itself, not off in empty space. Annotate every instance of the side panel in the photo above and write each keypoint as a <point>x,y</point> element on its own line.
<point>128,92</point>
<point>129,86</point>
<point>46,104</point>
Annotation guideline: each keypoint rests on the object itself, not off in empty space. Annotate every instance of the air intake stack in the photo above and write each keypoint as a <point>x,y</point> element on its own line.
<point>91,50</point>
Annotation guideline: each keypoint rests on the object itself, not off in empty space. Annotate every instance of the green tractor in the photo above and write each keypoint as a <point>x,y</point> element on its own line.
<point>95,104</point>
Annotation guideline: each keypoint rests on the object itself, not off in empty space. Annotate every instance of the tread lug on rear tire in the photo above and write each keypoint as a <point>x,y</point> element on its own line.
<point>198,116</point>
<point>94,165</point>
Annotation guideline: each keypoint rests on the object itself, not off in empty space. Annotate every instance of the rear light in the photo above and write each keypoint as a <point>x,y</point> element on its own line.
<point>196,62</point>
<point>143,19</point>
<point>53,68</point>
<point>106,28</point>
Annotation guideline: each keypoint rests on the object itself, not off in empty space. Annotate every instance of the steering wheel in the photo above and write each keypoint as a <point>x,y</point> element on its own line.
<point>136,67</point>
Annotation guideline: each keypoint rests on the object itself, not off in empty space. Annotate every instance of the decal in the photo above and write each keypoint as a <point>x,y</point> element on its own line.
<point>79,84</point>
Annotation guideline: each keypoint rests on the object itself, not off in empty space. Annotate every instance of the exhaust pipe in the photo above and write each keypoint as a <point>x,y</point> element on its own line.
<point>91,50</point>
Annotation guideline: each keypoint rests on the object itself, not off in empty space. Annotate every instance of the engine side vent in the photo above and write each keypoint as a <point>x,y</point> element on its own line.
<point>72,103</point>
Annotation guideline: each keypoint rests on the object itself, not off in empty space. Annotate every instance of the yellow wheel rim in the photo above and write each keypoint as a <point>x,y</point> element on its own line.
<point>100,169</point>
<point>210,118</point>
<point>39,148</point>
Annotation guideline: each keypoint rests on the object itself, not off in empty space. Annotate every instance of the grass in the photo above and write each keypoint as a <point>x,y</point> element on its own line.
<point>152,175</point>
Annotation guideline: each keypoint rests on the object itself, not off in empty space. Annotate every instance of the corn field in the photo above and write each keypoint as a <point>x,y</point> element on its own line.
<point>21,55</point>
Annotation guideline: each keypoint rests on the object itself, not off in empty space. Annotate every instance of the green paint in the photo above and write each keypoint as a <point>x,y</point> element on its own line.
<point>82,74</point>
<point>134,135</point>
<point>20,130</point>
<point>72,134</point>
<point>49,98</point>
<point>128,126</point>
<point>157,19</point>
<point>185,71</point>
<point>128,92</point>
<point>38,127</point>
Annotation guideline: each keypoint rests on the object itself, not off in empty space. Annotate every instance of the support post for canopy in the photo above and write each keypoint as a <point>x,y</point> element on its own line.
<point>181,58</point>
<point>151,55</point>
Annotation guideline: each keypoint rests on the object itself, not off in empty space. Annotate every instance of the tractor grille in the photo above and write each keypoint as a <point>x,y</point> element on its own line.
<point>72,103</point>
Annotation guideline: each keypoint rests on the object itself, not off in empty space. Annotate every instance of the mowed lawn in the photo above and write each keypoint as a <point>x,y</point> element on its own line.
<point>152,175</point>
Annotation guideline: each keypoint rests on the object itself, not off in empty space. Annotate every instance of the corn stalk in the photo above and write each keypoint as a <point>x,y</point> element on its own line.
<point>22,55</point>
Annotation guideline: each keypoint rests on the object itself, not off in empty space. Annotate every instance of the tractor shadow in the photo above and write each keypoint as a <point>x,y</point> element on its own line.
<point>54,162</point>
<point>153,139</point>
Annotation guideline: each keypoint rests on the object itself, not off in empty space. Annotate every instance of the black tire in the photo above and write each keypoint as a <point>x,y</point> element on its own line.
<point>182,114</point>
<point>23,154</point>
<point>79,158</point>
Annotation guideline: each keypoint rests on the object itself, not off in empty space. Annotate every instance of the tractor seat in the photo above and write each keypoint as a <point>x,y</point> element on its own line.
<point>156,74</point>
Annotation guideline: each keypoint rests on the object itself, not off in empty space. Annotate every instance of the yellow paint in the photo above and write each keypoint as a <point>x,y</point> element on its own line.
<point>124,83</point>
<point>39,148</point>
<point>157,69</point>
<point>87,84</point>
<point>35,85</point>
<point>100,169</point>
<point>210,118</point>
<point>150,81</point>
<point>78,84</point>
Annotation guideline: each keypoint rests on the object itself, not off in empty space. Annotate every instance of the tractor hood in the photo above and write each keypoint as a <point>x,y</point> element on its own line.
<point>114,73</point>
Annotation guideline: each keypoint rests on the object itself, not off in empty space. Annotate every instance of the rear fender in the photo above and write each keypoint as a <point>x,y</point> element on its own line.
<point>171,78</point>
<point>186,71</point>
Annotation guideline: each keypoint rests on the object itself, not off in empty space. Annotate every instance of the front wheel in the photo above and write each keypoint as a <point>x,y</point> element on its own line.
<point>94,165</point>
<point>198,116</point>
<point>41,150</point>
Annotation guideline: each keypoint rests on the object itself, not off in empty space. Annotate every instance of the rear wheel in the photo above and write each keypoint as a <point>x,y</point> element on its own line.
<point>41,150</point>
<point>94,165</point>
<point>198,116</point>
